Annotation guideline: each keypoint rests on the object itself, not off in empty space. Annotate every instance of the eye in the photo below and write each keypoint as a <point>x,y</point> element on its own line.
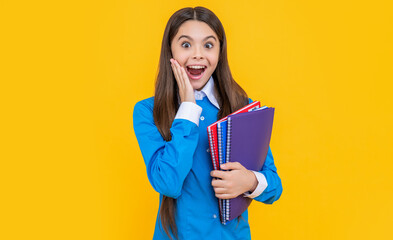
<point>184,44</point>
<point>210,45</point>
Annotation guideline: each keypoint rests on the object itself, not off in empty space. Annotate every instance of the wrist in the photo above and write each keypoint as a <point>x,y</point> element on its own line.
<point>190,98</point>
<point>253,181</point>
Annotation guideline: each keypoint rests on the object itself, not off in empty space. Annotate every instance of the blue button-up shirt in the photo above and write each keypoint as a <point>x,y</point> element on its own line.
<point>180,169</point>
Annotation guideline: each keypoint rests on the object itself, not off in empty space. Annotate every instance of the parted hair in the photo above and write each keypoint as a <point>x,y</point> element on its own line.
<point>231,96</point>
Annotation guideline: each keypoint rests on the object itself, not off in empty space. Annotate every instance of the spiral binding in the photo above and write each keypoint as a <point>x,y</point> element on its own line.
<point>227,159</point>
<point>219,133</point>
<point>211,140</point>
<point>220,152</point>
<point>212,153</point>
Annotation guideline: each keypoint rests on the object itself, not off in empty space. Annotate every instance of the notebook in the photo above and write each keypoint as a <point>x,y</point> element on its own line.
<point>214,144</point>
<point>248,138</point>
<point>224,139</point>
<point>212,134</point>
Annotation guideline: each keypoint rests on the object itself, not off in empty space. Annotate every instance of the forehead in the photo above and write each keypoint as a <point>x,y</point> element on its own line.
<point>197,30</point>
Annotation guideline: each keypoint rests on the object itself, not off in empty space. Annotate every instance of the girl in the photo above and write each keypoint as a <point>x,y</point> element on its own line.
<point>195,88</point>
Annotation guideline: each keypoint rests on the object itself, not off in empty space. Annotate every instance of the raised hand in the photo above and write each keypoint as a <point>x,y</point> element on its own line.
<point>233,183</point>
<point>186,91</point>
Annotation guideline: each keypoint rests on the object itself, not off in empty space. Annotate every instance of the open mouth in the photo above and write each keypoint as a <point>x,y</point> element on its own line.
<point>195,72</point>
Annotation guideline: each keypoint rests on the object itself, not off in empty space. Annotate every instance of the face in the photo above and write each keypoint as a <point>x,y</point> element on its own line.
<point>196,48</point>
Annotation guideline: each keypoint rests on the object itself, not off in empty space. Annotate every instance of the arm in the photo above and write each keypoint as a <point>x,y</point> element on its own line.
<point>167,163</point>
<point>274,187</point>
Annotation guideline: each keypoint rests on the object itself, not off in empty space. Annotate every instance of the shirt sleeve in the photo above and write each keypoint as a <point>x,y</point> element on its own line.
<point>167,162</point>
<point>189,111</point>
<point>262,185</point>
<point>274,187</point>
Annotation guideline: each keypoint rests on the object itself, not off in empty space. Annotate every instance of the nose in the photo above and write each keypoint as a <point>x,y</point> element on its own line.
<point>198,54</point>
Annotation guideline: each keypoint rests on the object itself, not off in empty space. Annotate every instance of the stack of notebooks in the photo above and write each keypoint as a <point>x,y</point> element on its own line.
<point>243,137</point>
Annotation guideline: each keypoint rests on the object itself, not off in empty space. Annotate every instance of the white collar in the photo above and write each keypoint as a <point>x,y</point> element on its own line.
<point>207,90</point>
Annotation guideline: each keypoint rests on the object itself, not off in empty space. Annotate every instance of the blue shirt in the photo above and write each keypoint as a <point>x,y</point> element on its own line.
<point>180,169</point>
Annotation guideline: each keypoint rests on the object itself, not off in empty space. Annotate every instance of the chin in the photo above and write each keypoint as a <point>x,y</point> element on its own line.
<point>198,84</point>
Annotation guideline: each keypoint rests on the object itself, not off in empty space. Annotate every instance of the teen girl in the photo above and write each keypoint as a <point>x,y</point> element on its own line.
<point>195,88</point>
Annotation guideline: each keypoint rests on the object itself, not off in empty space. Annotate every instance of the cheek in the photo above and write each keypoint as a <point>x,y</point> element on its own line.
<point>179,55</point>
<point>213,59</point>
<point>213,65</point>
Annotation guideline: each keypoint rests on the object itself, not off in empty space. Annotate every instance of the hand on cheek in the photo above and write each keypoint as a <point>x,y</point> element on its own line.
<point>186,91</point>
<point>233,183</point>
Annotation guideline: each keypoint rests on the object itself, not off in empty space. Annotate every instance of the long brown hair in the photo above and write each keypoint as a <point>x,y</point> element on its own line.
<point>231,96</point>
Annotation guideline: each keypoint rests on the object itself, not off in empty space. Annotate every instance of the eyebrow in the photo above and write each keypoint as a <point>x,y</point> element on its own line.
<point>185,36</point>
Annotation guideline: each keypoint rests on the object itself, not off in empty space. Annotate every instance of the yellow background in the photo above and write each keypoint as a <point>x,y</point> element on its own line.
<point>71,72</point>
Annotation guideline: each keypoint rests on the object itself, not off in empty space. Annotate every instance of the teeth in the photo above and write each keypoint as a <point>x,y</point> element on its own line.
<point>196,67</point>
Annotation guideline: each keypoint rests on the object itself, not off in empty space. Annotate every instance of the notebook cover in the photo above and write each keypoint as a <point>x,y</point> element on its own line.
<point>250,135</point>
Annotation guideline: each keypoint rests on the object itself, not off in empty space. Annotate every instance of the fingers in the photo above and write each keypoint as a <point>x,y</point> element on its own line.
<point>185,77</point>
<point>232,183</point>
<point>176,73</point>
<point>177,69</point>
<point>220,189</point>
<point>232,166</point>
<point>186,90</point>
<point>181,74</point>
<point>225,196</point>
<point>218,174</point>
<point>180,82</point>
<point>218,183</point>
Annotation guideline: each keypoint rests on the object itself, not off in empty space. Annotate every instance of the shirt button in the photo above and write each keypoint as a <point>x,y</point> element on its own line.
<point>214,216</point>
<point>202,118</point>
<point>207,150</point>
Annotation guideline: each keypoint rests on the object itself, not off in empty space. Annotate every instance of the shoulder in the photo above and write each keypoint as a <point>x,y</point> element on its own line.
<point>146,104</point>
<point>144,108</point>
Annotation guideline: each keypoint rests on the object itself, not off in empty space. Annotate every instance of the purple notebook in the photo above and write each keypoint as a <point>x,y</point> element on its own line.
<point>248,143</point>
